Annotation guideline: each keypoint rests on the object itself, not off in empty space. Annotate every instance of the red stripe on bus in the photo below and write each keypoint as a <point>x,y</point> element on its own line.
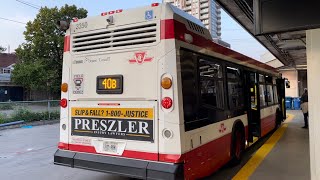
<point>126,153</point>
<point>172,158</point>
<point>268,124</point>
<point>66,47</point>
<point>173,29</point>
<point>204,160</point>
<point>167,29</point>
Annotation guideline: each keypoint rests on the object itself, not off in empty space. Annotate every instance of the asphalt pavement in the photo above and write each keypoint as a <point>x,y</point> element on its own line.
<point>27,154</point>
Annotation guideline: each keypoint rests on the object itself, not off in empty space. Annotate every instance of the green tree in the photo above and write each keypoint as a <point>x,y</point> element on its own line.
<point>2,49</point>
<point>40,57</point>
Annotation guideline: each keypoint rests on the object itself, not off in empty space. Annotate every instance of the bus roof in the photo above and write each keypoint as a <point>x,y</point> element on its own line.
<point>178,23</point>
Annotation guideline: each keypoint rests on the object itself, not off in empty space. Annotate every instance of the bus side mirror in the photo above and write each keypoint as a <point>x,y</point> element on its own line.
<point>62,25</point>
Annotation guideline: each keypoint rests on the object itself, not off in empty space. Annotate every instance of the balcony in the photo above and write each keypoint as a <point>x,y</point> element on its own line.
<point>203,17</point>
<point>188,2</point>
<point>204,11</point>
<point>204,5</point>
<point>187,8</point>
<point>205,22</point>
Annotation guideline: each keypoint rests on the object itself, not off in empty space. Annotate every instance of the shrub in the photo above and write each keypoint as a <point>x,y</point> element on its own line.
<point>6,106</point>
<point>4,118</point>
<point>55,115</point>
<point>29,116</point>
<point>24,114</point>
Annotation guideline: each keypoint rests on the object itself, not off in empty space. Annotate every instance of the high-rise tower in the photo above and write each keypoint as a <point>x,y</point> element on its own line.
<point>208,11</point>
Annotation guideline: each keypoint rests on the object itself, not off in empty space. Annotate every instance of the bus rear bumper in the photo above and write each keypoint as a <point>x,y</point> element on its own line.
<point>121,166</point>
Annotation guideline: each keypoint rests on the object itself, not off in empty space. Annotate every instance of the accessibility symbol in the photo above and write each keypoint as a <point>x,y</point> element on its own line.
<point>149,15</point>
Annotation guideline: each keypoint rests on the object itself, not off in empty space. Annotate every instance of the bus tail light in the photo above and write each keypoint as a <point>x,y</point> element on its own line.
<point>63,103</point>
<point>75,19</point>
<point>111,12</point>
<point>155,4</point>
<point>64,87</point>
<point>166,102</point>
<point>104,14</point>
<point>119,11</point>
<point>166,83</point>
<point>66,46</point>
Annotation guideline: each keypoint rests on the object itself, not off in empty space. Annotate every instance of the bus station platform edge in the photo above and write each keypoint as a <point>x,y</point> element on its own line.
<point>285,155</point>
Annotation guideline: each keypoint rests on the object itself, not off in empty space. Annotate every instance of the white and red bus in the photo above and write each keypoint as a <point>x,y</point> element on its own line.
<point>147,94</point>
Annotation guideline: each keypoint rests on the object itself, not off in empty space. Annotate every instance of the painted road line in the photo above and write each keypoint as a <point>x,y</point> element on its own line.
<point>246,171</point>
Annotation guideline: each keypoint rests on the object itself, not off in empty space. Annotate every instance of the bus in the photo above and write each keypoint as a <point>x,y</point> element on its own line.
<point>146,93</point>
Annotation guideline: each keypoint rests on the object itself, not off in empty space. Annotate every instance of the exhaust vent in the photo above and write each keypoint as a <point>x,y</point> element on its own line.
<point>120,37</point>
<point>196,27</point>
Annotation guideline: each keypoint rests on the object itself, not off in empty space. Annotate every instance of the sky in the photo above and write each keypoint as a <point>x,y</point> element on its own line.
<point>11,33</point>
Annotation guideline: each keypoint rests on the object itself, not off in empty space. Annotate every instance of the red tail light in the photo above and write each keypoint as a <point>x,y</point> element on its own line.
<point>66,47</point>
<point>111,12</point>
<point>104,14</point>
<point>155,4</point>
<point>119,11</point>
<point>63,103</point>
<point>166,103</point>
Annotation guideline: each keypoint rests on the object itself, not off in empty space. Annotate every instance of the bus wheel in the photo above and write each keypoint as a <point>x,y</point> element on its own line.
<point>238,146</point>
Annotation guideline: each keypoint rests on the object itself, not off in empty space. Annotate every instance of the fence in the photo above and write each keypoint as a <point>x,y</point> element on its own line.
<point>28,111</point>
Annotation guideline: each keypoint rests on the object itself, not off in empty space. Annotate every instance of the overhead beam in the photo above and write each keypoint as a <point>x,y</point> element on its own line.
<point>243,14</point>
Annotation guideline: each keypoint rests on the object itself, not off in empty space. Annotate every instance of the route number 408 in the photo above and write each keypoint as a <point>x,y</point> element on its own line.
<point>109,83</point>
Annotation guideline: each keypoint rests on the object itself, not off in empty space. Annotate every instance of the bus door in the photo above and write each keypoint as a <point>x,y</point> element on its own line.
<point>281,95</point>
<point>253,106</point>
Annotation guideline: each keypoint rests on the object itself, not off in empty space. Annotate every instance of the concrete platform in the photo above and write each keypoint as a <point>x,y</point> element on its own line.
<point>290,158</point>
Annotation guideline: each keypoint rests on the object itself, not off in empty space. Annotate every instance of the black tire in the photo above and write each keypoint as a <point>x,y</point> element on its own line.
<point>238,145</point>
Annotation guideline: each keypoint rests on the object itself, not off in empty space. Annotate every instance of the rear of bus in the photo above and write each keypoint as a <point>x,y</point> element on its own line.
<point>112,102</point>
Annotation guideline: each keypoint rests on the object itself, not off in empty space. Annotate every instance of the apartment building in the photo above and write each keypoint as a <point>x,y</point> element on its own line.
<point>208,11</point>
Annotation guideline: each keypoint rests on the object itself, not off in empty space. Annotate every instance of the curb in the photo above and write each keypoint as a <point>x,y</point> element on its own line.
<point>36,123</point>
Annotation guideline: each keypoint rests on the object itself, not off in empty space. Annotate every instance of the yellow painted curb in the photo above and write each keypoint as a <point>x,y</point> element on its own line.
<point>246,171</point>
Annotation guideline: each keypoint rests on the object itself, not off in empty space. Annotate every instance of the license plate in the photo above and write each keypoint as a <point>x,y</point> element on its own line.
<point>112,84</point>
<point>110,147</point>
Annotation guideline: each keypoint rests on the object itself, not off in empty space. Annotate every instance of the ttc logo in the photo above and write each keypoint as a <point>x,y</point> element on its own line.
<point>222,128</point>
<point>140,58</point>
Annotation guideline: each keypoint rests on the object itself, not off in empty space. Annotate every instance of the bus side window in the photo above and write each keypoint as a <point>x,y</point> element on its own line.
<point>211,108</point>
<point>211,83</point>
<point>269,90</point>
<point>262,91</point>
<point>275,93</point>
<point>235,89</point>
<point>189,87</point>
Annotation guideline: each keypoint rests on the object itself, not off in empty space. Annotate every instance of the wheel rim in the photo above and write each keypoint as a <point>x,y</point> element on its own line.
<point>238,148</point>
